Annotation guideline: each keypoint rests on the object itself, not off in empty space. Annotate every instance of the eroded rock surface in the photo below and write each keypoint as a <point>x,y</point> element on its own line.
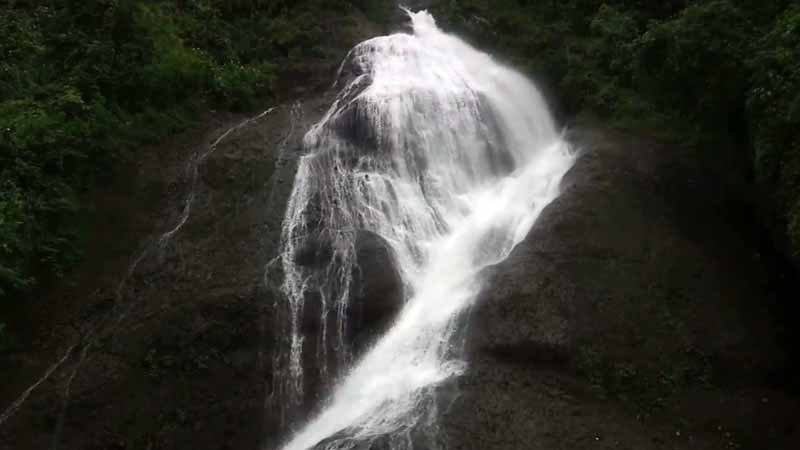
<point>635,315</point>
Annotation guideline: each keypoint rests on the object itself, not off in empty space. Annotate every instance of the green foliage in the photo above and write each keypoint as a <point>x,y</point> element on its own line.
<point>83,83</point>
<point>377,11</point>
<point>174,72</point>
<point>774,106</point>
<point>694,62</point>
<point>235,86</point>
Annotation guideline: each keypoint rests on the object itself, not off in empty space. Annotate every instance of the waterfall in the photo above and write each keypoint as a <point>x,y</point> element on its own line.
<point>449,157</point>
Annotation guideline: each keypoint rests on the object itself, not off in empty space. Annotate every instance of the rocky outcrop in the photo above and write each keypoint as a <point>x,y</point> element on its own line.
<point>169,348</point>
<point>636,314</point>
<point>376,291</point>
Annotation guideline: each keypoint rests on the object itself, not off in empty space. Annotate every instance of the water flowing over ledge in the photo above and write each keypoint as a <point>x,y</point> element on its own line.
<point>449,158</point>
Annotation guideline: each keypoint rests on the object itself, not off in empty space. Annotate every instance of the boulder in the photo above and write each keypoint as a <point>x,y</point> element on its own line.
<point>377,289</point>
<point>634,315</point>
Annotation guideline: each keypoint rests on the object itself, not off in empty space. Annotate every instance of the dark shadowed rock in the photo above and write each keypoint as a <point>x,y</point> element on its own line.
<point>378,289</point>
<point>634,315</point>
<point>315,252</point>
<point>344,438</point>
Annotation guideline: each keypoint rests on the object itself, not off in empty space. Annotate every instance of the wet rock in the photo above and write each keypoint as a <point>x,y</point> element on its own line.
<point>353,123</point>
<point>315,252</point>
<point>378,289</point>
<point>635,289</point>
<point>343,439</point>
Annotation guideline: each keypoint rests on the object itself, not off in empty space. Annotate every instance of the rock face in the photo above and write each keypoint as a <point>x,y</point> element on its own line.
<point>170,347</point>
<point>634,315</point>
<point>378,295</point>
<point>377,289</point>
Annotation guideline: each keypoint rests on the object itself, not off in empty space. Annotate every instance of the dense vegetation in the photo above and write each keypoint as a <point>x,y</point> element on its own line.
<point>84,83</point>
<point>722,76</point>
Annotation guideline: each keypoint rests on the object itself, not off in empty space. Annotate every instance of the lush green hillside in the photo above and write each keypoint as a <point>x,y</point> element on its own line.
<point>83,83</point>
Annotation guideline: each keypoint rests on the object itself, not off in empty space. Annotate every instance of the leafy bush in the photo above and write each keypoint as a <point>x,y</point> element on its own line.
<point>694,62</point>
<point>173,72</point>
<point>774,106</point>
<point>236,87</point>
<point>83,83</point>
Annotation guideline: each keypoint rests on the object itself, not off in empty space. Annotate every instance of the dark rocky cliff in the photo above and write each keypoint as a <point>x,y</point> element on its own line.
<point>638,313</point>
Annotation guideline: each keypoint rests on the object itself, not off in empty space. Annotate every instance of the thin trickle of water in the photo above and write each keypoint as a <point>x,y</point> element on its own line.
<point>283,389</point>
<point>194,174</point>
<point>24,396</point>
<point>111,321</point>
<point>449,157</point>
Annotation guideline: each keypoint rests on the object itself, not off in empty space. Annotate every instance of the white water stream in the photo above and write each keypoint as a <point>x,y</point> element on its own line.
<point>449,157</point>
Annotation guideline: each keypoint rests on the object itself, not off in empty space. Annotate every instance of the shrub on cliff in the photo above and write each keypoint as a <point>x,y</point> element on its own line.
<point>774,106</point>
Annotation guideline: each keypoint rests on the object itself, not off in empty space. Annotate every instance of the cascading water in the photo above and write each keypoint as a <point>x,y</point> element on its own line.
<point>447,156</point>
